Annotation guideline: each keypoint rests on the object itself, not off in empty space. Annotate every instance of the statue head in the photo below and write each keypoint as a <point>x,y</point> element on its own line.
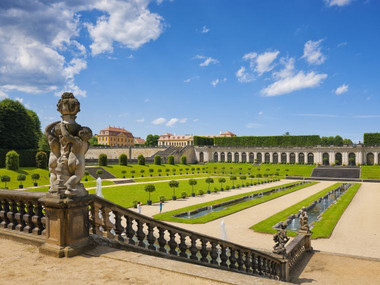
<point>85,133</point>
<point>68,104</point>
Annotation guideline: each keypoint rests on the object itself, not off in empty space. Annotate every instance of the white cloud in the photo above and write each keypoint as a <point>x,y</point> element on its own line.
<point>341,89</point>
<point>261,113</point>
<point>184,120</point>
<point>205,30</point>
<point>3,95</point>
<point>312,52</point>
<point>339,3</point>
<point>288,69</point>
<point>159,121</point>
<point>19,99</point>
<point>215,82</point>
<point>293,83</point>
<point>142,120</point>
<point>261,63</point>
<point>243,76</point>
<point>188,80</point>
<point>131,56</point>
<point>206,60</point>
<point>173,121</point>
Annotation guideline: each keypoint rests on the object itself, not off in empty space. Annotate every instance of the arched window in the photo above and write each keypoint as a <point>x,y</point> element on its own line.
<point>215,157</point>
<point>229,157</point>
<point>301,158</point>
<point>222,157</point>
<point>243,157</point>
<point>310,158</point>
<point>275,158</point>
<point>251,157</point>
<point>236,157</point>
<point>326,159</point>
<point>259,157</point>
<point>338,158</point>
<point>201,158</point>
<point>267,157</point>
<point>292,158</point>
<point>370,158</point>
<point>283,157</point>
<point>351,159</point>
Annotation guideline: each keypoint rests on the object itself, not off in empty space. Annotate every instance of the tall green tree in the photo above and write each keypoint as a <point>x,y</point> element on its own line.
<point>152,140</point>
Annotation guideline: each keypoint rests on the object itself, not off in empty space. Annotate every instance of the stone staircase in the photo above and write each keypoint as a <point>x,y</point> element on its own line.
<point>336,172</point>
<point>104,175</point>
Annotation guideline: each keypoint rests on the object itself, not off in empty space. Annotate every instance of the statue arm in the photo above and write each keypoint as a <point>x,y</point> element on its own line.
<point>49,128</point>
<point>67,135</point>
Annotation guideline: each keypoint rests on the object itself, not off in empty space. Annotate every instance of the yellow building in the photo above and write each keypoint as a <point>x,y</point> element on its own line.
<point>115,137</point>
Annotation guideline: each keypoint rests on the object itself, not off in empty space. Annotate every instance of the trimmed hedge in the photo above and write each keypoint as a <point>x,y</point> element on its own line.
<point>102,160</point>
<point>12,161</point>
<point>203,141</point>
<point>41,160</point>
<point>123,159</point>
<point>371,139</point>
<point>269,141</point>
<point>27,157</point>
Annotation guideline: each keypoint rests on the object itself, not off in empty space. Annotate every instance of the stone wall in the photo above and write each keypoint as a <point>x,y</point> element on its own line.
<point>114,153</point>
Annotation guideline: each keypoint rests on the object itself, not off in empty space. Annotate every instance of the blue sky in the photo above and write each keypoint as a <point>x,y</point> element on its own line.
<point>198,67</point>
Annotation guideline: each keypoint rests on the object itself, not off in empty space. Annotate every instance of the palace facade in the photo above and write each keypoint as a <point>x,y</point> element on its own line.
<point>169,139</point>
<point>113,136</point>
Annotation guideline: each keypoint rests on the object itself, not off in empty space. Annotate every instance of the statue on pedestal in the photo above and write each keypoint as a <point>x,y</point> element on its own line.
<point>281,238</point>
<point>68,143</point>
<point>304,221</point>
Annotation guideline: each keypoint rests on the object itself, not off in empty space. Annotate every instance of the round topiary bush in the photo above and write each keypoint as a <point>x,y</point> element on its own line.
<point>21,177</point>
<point>141,159</point>
<point>102,160</point>
<point>41,160</point>
<point>12,160</point>
<point>183,159</point>
<point>123,159</point>
<point>35,177</point>
<point>171,159</point>
<point>157,159</point>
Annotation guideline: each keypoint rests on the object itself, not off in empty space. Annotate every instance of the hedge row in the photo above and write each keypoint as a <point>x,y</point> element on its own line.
<point>203,141</point>
<point>269,141</point>
<point>27,157</point>
<point>371,139</point>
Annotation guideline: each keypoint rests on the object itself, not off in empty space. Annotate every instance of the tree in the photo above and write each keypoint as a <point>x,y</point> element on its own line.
<point>171,159</point>
<point>5,179</point>
<point>183,159</point>
<point>242,178</point>
<point>35,177</point>
<point>123,159</point>
<point>99,172</point>
<point>251,177</point>
<point>102,160</point>
<point>157,159</point>
<point>41,160</point>
<point>152,140</point>
<point>123,172</point>
<point>221,181</point>
<point>141,160</point>
<point>192,183</point>
<point>338,141</point>
<point>86,174</point>
<point>174,184</point>
<point>21,177</point>
<point>43,144</point>
<point>12,160</point>
<point>149,188</point>
<point>209,181</point>
<point>233,178</point>
<point>19,127</point>
<point>93,140</point>
<point>347,142</point>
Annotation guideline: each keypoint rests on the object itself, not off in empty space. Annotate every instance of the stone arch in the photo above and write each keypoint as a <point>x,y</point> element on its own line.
<point>229,157</point>
<point>259,157</point>
<point>222,157</point>
<point>338,158</point>
<point>243,157</point>
<point>267,157</point>
<point>310,158</point>
<point>236,157</point>
<point>301,158</point>
<point>251,157</point>
<point>292,158</point>
<point>326,159</point>
<point>351,159</point>
<point>216,158</point>
<point>201,157</point>
<point>283,157</point>
<point>370,158</point>
<point>275,157</point>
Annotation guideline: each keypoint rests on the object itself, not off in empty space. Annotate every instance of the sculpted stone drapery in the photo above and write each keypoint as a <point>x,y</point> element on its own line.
<point>68,144</point>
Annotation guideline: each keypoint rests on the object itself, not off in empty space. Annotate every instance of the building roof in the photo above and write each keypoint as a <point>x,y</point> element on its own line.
<point>139,141</point>
<point>228,133</point>
<point>114,129</point>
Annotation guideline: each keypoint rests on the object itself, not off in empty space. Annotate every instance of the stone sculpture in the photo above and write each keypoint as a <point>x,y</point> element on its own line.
<point>304,221</point>
<point>68,143</point>
<point>280,238</point>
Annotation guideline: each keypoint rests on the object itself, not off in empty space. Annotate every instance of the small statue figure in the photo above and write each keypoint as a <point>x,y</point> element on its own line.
<point>55,152</point>
<point>280,238</point>
<point>304,221</point>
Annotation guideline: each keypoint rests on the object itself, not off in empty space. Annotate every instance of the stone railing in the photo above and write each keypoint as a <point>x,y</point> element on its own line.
<point>116,226</point>
<point>22,215</point>
<point>296,248</point>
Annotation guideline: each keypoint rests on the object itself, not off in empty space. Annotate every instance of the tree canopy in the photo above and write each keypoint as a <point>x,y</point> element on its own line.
<point>152,140</point>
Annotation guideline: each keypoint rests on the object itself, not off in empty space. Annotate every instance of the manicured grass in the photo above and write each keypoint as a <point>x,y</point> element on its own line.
<point>266,226</point>
<point>329,219</point>
<point>27,171</point>
<point>86,185</point>
<point>370,172</point>
<point>169,216</point>
<point>124,195</point>
<point>170,177</point>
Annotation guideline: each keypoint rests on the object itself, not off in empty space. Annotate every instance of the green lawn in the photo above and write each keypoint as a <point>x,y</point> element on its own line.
<point>27,171</point>
<point>169,216</point>
<point>266,226</point>
<point>370,172</point>
<point>171,177</point>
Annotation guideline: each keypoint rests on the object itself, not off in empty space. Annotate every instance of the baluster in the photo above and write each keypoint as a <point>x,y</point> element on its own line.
<point>265,266</point>
<point>193,248</point>
<point>3,214</point>
<point>118,228</point>
<point>130,231</point>
<point>204,251</point>
<point>183,246</point>
<point>240,261</point>
<point>11,215</point>
<point>140,233</point>
<point>232,259</point>
<point>92,218</point>
<point>36,219</point>
<point>259,267</point>
<point>28,218</point>
<point>254,263</point>
<point>172,243</point>
<point>19,216</point>
<point>161,239</point>
<point>214,253</point>
<point>151,238</point>
<point>248,262</point>
<point>223,256</point>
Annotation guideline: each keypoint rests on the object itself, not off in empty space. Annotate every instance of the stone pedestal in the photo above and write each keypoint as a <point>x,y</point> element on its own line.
<point>67,228</point>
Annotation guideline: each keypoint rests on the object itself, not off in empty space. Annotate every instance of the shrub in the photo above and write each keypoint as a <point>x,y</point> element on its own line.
<point>173,184</point>
<point>183,159</point>
<point>133,173</point>
<point>157,159</point>
<point>149,188</point>
<point>86,174</point>
<point>162,199</point>
<point>192,182</point>
<point>12,160</point>
<point>123,172</point>
<point>102,160</point>
<point>203,141</point>
<point>171,159</point>
<point>99,172</point>
<point>228,187</point>
<point>141,160</point>
<point>123,159</point>
<point>183,195</point>
<point>21,177</point>
<point>142,172</point>
<point>208,181</point>
<point>35,177</point>
<point>41,160</point>
<point>5,179</point>
<point>201,192</point>
<point>134,204</point>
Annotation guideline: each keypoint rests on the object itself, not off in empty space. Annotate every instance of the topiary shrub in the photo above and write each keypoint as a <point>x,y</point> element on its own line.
<point>21,177</point>
<point>41,160</point>
<point>12,160</point>
<point>201,192</point>
<point>5,179</point>
<point>162,199</point>
<point>157,159</point>
<point>171,159</point>
<point>183,159</point>
<point>102,160</point>
<point>123,159</point>
<point>123,172</point>
<point>86,174</point>
<point>183,195</point>
<point>141,160</point>
<point>35,177</point>
<point>99,172</point>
